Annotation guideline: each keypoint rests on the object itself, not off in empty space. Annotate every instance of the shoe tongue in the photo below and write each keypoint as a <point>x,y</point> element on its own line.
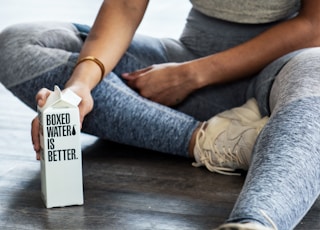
<point>236,129</point>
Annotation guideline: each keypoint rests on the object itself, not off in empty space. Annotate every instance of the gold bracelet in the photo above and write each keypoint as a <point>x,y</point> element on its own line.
<point>95,60</point>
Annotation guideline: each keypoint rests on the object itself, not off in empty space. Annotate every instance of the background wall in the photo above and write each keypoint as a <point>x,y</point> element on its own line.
<point>163,18</point>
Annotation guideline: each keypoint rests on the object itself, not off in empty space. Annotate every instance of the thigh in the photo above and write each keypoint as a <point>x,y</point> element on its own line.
<point>37,55</point>
<point>298,80</point>
<point>209,101</point>
<point>27,90</point>
<point>261,84</point>
<point>142,52</point>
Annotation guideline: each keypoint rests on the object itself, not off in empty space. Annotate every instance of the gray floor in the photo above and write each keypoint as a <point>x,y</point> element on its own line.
<point>125,187</point>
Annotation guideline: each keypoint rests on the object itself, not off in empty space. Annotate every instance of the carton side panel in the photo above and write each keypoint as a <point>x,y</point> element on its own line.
<point>61,171</point>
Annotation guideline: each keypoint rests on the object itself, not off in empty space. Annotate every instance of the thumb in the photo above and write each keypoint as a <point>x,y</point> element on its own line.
<point>42,96</point>
<point>84,109</point>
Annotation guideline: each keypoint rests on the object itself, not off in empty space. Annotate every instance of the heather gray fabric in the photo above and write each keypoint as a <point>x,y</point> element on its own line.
<point>247,11</point>
<point>284,176</point>
<point>41,40</point>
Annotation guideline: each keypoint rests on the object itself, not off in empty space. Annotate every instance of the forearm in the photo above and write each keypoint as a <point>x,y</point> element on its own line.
<point>109,38</point>
<point>249,58</point>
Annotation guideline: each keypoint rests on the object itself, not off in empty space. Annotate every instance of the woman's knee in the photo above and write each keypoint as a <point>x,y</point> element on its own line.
<point>298,78</point>
<point>307,59</point>
<point>27,47</point>
<point>302,70</point>
<point>57,35</point>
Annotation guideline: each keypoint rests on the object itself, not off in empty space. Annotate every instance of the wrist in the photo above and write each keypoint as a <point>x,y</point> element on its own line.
<point>210,70</point>
<point>199,73</point>
<point>86,73</point>
<point>94,60</point>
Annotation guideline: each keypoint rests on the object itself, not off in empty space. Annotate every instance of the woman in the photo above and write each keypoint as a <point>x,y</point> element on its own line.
<point>229,52</point>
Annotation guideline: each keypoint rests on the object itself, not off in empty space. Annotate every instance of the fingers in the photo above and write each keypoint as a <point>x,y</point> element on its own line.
<point>35,136</point>
<point>85,106</point>
<point>134,75</point>
<point>82,113</point>
<point>41,99</point>
<point>42,96</point>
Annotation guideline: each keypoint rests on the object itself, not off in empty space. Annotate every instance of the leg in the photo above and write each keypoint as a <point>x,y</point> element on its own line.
<point>32,49</point>
<point>119,114</point>
<point>283,180</point>
<point>46,70</point>
<point>202,104</point>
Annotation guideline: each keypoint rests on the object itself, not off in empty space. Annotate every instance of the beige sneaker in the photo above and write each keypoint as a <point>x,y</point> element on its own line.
<point>244,226</point>
<point>225,142</point>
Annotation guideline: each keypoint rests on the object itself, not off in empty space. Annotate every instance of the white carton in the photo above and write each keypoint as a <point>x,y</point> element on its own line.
<point>61,159</point>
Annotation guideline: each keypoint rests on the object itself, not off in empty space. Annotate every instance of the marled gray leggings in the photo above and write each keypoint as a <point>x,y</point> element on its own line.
<point>284,177</point>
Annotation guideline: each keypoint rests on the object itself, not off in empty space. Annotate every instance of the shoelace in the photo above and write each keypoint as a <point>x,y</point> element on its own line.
<point>205,159</point>
<point>226,155</point>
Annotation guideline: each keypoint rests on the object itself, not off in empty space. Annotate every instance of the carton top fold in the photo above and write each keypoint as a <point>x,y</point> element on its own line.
<point>58,99</point>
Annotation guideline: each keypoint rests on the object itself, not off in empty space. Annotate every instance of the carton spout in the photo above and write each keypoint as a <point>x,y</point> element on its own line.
<point>60,98</point>
<point>70,96</point>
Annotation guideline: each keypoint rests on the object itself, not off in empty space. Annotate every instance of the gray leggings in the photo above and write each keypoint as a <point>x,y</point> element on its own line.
<point>284,176</point>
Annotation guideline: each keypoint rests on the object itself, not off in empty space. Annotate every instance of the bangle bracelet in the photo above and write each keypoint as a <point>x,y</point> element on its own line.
<point>95,60</point>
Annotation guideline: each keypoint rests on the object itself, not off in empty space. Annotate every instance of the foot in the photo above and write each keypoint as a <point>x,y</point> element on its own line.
<point>225,142</point>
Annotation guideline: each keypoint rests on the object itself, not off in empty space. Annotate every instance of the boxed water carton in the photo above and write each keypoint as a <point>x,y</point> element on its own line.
<point>61,160</point>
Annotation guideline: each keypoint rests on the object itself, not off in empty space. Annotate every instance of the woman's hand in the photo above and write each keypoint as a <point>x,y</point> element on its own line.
<point>85,107</point>
<point>167,84</point>
<point>41,98</point>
